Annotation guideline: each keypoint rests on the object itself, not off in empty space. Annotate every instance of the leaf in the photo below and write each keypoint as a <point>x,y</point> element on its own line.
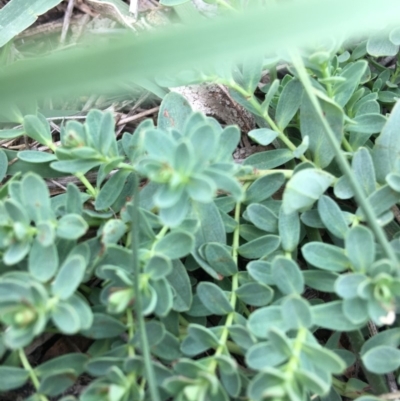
<point>110,191</point>
<point>255,294</point>
<point>265,318</point>
<point>199,340</point>
<point>262,217</point>
<point>263,136</point>
<point>12,377</point>
<point>389,337</point>
<point>74,362</point>
<point>288,103</point>
<point>330,316</point>
<point>287,276</point>
<point>11,133</point>
<point>71,226</point>
<point>33,156</point>
<point>304,188</point>
<point>55,384</point>
<point>252,68</point>
<point>364,171</point>
<point>332,216</point>
<point>289,230</point>
<point>382,359</point>
<point>3,164</point>
<point>106,137</point>
<point>36,198</point>
<point>175,245</point>
<point>179,280</point>
<point>211,229</point>
<point>42,261</point>
<point>219,258</point>
<point>269,159</point>
<point>104,326</point>
<point>213,298</point>
<point>320,280</point>
<point>387,146</point>
<point>380,45</point>
<point>75,166</point>
<point>360,248</point>
<point>15,18</point>
<point>259,247</point>
<point>174,111</point>
<point>326,256</point>
<point>311,126</point>
<point>112,231</point>
<point>66,319</point>
<point>347,284</point>
<point>353,74</point>
<point>263,355</point>
<point>262,188</point>
<point>296,313</point>
<point>69,277</point>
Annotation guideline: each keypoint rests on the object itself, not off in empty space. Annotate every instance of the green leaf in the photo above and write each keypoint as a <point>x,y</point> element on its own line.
<point>331,316</point>
<point>288,103</point>
<point>42,261</point>
<point>55,384</point>
<point>11,133</point>
<point>36,127</point>
<point>260,271</point>
<point>219,258</point>
<point>360,248</point>
<point>174,111</point>
<point>304,188</point>
<point>66,318</point>
<point>269,159</point>
<point>199,340</point>
<point>272,91</point>
<point>16,252</point>
<point>12,377</point>
<point>387,146</point>
<point>213,298</point>
<point>110,191</point>
<point>382,359</point>
<point>36,198</point>
<point>256,356</point>
<point>75,166</point>
<point>356,310</point>
<point>320,280</point>
<point>326,256</point>
<point>107,134</point>
<point>112,231</point>
<point>73,361</point>
<point>289,230</point>
<point>252,68</point>
<point>297,313</point>
<point>332,216</point>
<point>262,188</point>
<point>353,74</point>
<point>364,171</point>
<point>179,280</point>
<point>259,247</point>
<point>347,284</point>
<point>287,276</point>
<point>262,217</point>
<point>175,245</point>
<point>69,277</point>
<point>323,358</point>
<point>211,229</point>
<point>311,126</point>
<point>34,156</point>
<point>264,319</point>
<point>371,123</point>
<point>255,294</point>
<point>104,326</point>
<point>380,45</point>
<point>263,136</point>
<point>71,226</point>
<point>3,164</point>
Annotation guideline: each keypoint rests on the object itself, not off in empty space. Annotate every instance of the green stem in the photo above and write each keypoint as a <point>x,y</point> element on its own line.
<point>91,190</point>
<point>27,366</point>
<point>377,383</point>
<point>343,163</point>
<point>135,216</point>
<point>254,102</point>
<point>261,173</point>
<point>129,319</point>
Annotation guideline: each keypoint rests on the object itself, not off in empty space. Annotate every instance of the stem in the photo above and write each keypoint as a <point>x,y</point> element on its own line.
<point>377,382</point>
<point>129,319</point>
<point>253,101</point>
<point>343,163</point>
<point>91,190</point>
<point>27,366</point>
<point>135,216</point>
<point>261,173</point>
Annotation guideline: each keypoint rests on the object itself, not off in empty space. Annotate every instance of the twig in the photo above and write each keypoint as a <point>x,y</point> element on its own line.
<point>67,20</point>
<point>138,116</point>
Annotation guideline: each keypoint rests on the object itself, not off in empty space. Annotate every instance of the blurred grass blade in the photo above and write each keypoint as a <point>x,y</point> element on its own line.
<point>18,15</point>
<point>102,66</point>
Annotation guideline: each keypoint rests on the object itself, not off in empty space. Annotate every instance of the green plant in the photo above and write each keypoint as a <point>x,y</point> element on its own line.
<point>196,285</point>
